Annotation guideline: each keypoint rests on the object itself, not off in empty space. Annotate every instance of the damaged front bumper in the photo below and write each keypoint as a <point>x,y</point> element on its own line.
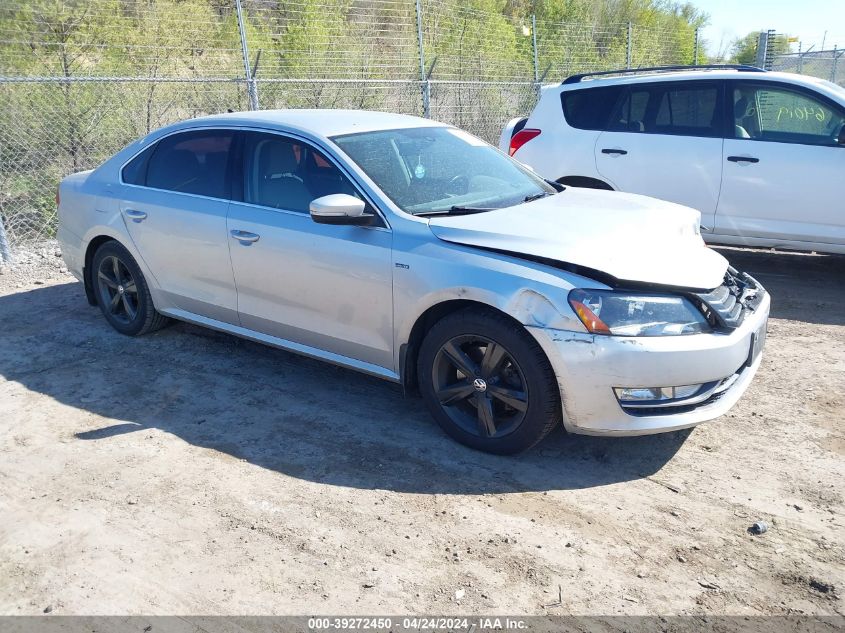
<point>590,367</point>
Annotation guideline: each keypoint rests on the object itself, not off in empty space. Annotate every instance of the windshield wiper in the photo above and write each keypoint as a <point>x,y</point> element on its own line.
<point>457,210</point>
<point>536,196</point>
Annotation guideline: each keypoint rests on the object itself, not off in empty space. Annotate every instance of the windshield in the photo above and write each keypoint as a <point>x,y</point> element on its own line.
<point>432,170</point>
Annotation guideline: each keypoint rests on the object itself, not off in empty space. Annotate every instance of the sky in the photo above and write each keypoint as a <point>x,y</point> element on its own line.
<point>806,19</point>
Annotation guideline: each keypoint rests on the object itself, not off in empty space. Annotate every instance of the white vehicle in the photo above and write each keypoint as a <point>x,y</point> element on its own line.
<point>413,251</point>
<point>759,154</point>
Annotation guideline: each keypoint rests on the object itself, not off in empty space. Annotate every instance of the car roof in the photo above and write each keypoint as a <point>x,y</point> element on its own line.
<point>316,122</point>
<point>692,74</point>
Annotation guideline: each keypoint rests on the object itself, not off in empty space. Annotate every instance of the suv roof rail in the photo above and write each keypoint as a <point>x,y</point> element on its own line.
<point>574,79</point>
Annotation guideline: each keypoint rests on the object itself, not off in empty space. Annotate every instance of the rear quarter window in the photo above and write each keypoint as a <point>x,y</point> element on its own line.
<point>589,108</point>
<point>135,171</point>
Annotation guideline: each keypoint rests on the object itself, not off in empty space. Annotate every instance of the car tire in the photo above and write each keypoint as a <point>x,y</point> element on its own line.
<point>487,382</point>
<point>122,292</point>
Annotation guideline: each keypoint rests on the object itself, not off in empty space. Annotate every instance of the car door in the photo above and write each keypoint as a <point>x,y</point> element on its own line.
<point>783,165</point>
<point>174,198</point>
<point>322,286</point>
<point>665,140</point>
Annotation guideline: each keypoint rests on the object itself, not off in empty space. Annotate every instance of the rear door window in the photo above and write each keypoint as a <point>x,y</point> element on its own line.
<point>589,108</point>
<point>630,116</point>
<point>689,111</point>
<point>192,162</point>
<point>689,108</point>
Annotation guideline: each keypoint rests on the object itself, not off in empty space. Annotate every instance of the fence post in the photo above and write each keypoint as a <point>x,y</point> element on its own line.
<point>629,53</point>
<point>762,49</point>
<point>833,66</point>
<point>5,250</point>
<point>252,88</point>
<point>534,47</point>
<point>535,55</point>
<point>425,83</point>
<point>696,44</point>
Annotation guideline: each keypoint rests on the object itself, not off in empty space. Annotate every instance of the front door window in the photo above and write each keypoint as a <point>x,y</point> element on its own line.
<point>783,115</point>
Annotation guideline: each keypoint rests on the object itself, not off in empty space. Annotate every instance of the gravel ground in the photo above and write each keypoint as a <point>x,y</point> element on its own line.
<point>195,473</point>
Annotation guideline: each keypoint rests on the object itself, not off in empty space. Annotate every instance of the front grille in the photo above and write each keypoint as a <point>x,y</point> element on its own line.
<point>726,306</point>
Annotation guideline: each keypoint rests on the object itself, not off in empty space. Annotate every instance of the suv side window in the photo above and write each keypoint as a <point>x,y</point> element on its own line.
<point>683,108</point>
<point>589,108</point>
<point>285,173</point>
<point>767,112</point>
<point>631,112</point>
<point>192,162</point>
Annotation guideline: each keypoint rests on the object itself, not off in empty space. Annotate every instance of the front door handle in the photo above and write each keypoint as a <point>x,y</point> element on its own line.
<point>615,151</point>
<point>135,216</point>
<point>245,237</point>
<point>743,159</point>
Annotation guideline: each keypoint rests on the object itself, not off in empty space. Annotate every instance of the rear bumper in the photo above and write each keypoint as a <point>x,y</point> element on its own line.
<point>72,251</point>
<point>589,367</point>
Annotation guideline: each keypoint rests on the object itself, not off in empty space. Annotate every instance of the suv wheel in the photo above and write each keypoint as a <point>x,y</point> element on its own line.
<point>487,382</point>
<point>122,292</point>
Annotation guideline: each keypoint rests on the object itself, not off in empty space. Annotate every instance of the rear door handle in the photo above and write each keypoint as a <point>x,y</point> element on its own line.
<point>616,151</point>
<point>245,237</point>
<point>135,216</point>
<point>743,159</point>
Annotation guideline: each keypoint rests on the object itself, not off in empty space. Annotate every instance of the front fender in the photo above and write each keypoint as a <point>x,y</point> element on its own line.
<point>436,273</point>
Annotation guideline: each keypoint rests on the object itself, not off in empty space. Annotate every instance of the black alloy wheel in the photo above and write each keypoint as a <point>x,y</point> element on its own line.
<point>122,292</point>
<point>118,290</point>
<point>480,386</point>
<point>487,381</point>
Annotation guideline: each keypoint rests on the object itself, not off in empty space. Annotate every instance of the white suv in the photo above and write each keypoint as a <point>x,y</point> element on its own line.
<point>759,154</point>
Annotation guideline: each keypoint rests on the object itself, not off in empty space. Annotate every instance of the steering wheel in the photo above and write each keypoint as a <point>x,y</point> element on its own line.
<point>839,133</point>
<point>458,185</point>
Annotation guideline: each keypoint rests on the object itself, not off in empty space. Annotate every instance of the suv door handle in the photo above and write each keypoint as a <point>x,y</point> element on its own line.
<point>743,159</point>
<point>135,216</point>
<point>616,151</point>
<point>245,237</point>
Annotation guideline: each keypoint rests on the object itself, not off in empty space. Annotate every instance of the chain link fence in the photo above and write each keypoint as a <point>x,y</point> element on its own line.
<point>79,79</point>
<point>828,65</point>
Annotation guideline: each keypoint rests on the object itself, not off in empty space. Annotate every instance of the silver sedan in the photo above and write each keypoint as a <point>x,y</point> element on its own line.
<point>414,251</point>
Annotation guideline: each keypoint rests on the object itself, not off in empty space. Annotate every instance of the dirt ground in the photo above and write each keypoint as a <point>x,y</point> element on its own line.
<point>195,473</point>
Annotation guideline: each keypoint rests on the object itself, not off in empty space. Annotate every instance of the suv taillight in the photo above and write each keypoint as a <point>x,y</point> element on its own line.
<point>521,138</point>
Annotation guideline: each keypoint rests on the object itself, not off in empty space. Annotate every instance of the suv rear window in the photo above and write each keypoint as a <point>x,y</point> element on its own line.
<point>589,108</point>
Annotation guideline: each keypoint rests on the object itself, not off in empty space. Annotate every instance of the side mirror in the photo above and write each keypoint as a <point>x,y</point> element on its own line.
<point>841,138</point>
<point>340,208</point>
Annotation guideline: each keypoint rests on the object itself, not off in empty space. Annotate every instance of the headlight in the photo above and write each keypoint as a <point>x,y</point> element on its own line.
<point>626,314</point>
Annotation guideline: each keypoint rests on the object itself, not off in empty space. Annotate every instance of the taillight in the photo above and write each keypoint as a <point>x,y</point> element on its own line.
<point>521,138</point>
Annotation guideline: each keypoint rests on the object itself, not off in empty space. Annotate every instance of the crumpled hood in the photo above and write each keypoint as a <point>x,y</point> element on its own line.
<point>633,238</point>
